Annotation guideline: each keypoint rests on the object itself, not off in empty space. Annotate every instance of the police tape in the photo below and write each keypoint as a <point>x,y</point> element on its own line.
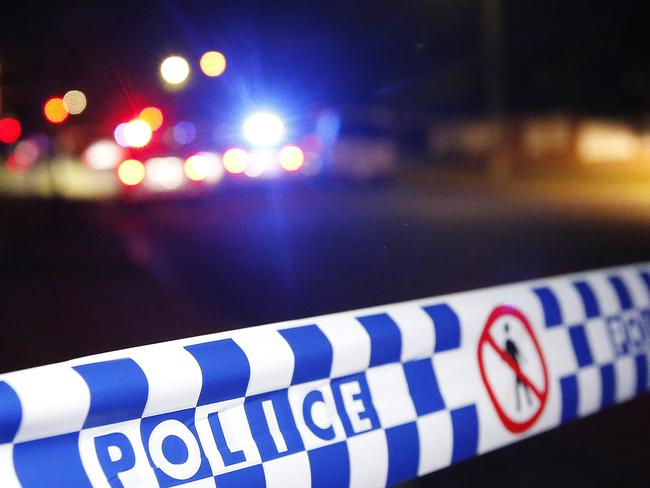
<point>365,398</point>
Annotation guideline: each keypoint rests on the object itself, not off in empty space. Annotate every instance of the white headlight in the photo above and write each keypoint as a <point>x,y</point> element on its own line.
<point>264,129</point>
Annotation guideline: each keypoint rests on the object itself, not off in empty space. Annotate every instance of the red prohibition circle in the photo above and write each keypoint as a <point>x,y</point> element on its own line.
<point>486,340</point>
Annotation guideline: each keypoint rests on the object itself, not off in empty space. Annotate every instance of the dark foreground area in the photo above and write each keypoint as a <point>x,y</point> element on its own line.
<point>82,278</point>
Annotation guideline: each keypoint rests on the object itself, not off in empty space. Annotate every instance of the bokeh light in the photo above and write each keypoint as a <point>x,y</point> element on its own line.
<point>197,167</point>
<point>291,158</point>
<point>24,155</point>
<point>137,133</point>
<point>10,130</point>
<point>74,102</point>
<point>152,116</point>
<point>213,63</point>
<point>55,111</point>
<point>261,161</point>
<point>263,129</point>
<point>174,70</point>
<point>103,154</point>
<point>164,173</point>
<point>204,166</point>
<point>215,165</point>
<point>235,160</point>
<point>118,135</point>
<point>184,133</point>
<point>131,172</point>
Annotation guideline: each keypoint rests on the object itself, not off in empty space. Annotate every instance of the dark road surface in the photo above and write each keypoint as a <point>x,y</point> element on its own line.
<point>79,279</point>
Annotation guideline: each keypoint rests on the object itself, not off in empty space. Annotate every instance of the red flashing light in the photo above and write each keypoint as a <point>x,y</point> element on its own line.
<point>10,130</point>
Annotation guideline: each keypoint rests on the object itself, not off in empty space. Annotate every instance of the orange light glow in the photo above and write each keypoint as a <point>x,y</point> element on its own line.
<point>213,63</point>
<point>130,172</point>
<point>291,158</point>
<point>152,116</point>
<point>235,160</point>
<point>55,111</point>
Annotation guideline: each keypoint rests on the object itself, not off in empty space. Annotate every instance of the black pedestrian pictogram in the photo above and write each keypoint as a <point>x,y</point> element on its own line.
<point>513,351</point>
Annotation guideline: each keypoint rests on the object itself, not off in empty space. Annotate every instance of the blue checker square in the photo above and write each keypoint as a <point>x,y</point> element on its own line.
<point>118,391</point>
<point>608,382</point>
<point>423,386</point>
<point>589,301</point>
<point>312,352</point>
<point>36,466</point>
<point>385,338</point>
<point>622,292</point>
<point>10,413</point>
<point>551,306</point>
<point>403,453</point>
<point>179,436</point>
<point>446,326</point>
<point>464,422</point>
<point>252,476</point>
<point>225,370</point>
<point>569,389</point>
<point>581,345</point>
<point>330,466</point>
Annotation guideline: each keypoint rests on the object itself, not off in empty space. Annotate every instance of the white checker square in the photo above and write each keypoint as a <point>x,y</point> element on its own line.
<point>449,366</point>
<point>368,460</point>
<point>625,376</point>
<point>7,471</point>
<point>605,294</point>
<point>416,328</point>
<point>291,471</point>
<point>350,344</point>
<point>46,393</point>
<point>390,395</point>
<point>270,357</point>
<point>589,388</point>
<point>599,341</point>
<point>436,439</point>
<point>558,351</point>
<point>173,375</point>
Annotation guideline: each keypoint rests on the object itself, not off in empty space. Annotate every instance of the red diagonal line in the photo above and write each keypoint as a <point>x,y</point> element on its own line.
<point>511,362</point>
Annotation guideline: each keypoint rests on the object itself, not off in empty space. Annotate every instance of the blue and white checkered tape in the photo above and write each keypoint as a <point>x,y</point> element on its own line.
<point>365,398</point>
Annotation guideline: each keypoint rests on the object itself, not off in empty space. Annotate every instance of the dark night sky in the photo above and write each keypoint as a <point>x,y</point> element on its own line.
<point>589,57</point>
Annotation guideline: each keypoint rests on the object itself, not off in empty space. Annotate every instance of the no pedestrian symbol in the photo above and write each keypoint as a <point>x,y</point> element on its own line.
<point>513,368</point>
